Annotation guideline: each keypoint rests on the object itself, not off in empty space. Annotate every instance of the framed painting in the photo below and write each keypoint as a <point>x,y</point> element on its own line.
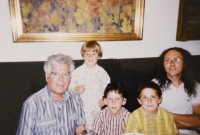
<point>188,20</point>
<point>76,20</point>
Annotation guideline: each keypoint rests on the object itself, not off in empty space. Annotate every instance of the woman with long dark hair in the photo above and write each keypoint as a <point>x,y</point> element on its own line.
<point>181,92</point>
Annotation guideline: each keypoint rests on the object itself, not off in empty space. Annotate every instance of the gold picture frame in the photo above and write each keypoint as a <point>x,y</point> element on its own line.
<point>19,23</point>
<point>188,27</point>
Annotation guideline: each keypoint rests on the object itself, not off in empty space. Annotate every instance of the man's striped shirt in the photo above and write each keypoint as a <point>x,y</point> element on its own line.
<point>41,114</point>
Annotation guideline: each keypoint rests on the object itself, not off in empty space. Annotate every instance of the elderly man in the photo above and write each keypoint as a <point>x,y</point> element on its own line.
<point>54,110</point>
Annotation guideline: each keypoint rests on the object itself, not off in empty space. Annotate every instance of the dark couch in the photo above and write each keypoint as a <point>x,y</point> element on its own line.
<point>18,80</point>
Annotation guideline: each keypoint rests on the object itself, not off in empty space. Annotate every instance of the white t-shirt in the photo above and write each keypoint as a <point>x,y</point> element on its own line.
<point>176,100</point>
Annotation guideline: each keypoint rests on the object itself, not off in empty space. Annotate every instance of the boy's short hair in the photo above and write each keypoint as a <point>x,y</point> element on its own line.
<point>149,84</point>
<point>91,45</point>
<point>117,87</point>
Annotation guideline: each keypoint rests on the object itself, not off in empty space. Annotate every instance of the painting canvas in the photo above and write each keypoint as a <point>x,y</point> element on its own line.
<point>76,20</point>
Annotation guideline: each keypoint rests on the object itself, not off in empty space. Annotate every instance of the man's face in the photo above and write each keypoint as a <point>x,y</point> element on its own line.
<point>58,79</point>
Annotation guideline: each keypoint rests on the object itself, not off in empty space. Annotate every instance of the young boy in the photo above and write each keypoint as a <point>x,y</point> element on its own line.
<point>90,80</point>
<point>112,119</point>
<point>149,119</point>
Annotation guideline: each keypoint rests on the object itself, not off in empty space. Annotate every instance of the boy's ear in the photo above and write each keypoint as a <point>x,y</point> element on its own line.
<point>124,101</point>
<point>105,101</point>
<point>138,99</point>
<point>160,100</point>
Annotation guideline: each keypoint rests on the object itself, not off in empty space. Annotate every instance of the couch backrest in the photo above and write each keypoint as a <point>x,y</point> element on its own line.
<point>18,80</point>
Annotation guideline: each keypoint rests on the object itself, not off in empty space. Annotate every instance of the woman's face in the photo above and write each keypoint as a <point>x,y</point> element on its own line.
<point>173,64</point>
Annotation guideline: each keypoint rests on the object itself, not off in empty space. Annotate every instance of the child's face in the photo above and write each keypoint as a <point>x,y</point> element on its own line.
<point>114,101</point>
<point>91,57</point>
<point>149,100</point>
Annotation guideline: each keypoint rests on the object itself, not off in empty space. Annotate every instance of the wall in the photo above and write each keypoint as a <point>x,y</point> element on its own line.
<point>160,23</point>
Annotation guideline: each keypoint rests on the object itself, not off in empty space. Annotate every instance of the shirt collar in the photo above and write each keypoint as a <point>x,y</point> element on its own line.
<point>95,67</point>
<point>48,96</point>
<point>146,115</point>
<point>109,115</point>
<point>180,87</point>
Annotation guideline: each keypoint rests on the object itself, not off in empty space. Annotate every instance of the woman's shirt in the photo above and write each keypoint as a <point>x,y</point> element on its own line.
<point>176,100</point>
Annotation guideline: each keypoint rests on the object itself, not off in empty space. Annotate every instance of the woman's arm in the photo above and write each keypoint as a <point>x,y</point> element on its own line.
<point>190,121</point>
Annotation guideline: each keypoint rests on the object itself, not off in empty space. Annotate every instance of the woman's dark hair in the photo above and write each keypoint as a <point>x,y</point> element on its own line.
<point>187,76</point>
<point>117,87</point>
<point>149,84</point>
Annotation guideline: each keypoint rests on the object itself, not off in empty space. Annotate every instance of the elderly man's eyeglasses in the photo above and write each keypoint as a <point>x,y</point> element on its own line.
<point>56,74</point>
<point>175,60</point>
